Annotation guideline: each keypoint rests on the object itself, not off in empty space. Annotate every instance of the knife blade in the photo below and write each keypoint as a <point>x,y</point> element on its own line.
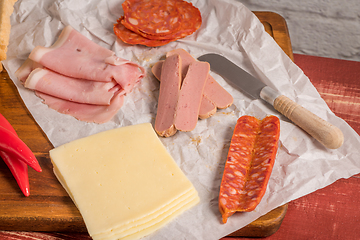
<point>326,133</point>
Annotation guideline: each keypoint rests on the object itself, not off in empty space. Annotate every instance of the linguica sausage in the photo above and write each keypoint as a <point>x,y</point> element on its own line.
<point>249,164</point>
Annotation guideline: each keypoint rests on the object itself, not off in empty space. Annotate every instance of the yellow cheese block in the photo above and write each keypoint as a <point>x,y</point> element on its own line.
<point>121,179</point>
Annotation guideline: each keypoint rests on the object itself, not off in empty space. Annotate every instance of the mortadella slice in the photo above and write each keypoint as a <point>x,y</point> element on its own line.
<point>76,56</point>
<point>213,90</point>
<point>71,89</point>
<point>207,107</point>
<point>168,96</point>
<point>187,110</point>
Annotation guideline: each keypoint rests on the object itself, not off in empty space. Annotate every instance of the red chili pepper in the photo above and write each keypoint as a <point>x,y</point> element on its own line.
<point>12,144</point>
<point>5,123</point>
<point>18,168</point>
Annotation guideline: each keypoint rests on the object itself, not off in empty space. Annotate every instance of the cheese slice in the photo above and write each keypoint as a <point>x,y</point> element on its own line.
<point>123,179</point>
<point>149,227</point>
<point>158,225</point>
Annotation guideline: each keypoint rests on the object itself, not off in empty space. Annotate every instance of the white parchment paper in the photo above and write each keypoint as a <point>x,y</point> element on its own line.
<point>302,166</point>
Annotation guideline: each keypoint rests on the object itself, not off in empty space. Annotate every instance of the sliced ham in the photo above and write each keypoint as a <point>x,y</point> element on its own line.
<point>76,56</point>
<point>84,112</point>
<point>213,90</point>
<point>76,76</point>
<point>207,107</point>
<point>25,69</point>
<point>71,89</point>
<point>168,96</point>
<point>187,110</point>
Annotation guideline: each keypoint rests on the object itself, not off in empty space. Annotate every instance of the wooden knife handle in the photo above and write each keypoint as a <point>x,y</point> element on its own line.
<point>323,131</point>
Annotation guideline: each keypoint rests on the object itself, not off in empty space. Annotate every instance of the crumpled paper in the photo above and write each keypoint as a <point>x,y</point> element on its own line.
<point>302,166</point>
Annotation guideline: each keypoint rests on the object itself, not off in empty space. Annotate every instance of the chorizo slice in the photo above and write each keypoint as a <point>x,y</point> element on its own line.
<point>168,96</point>
<point>249,164</point>
<point>190,22</point>
<point>130,37</point>
<point>151,18</point>
<point>191,19</point>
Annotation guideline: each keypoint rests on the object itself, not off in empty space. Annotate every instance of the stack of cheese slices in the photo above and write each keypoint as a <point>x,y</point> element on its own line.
<point>123,181</point>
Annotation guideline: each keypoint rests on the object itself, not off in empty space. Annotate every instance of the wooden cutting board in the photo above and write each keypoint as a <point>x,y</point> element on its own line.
<point>49,208</point>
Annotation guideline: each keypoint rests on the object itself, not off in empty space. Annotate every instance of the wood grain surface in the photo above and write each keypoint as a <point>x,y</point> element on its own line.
<point>49,208</point>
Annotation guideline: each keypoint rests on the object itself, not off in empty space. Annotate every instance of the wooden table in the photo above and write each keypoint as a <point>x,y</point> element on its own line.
<point>17,212</point>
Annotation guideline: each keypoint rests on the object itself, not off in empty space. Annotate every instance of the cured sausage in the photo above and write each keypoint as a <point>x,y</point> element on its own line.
<point>189,18</point>
<point>130,37</point>
<point>249,164</point>
<point>155,23</point>
<point>152,18</point>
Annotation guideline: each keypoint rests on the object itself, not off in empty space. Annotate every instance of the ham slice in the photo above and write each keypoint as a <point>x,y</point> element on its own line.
<point>76,56</point>
<point>25,69</point>
<point>84,112</point>
<point>71,89</point>
<point>75,76</point>
<point>187,110</point>
<point>168,96</point>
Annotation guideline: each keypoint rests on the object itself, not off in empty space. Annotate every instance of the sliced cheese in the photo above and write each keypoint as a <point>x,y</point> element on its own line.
<point>121,179</point>
<point>158,225</point>
<point>150,226</point>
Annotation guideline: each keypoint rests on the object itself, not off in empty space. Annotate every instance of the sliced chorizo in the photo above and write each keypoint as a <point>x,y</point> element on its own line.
<point>152,18</point>
<point>161,21</point>
<point>249,164</point>
<point>130,37</point>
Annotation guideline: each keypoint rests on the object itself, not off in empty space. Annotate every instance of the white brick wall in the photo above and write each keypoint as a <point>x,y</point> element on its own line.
<point>327,28</point>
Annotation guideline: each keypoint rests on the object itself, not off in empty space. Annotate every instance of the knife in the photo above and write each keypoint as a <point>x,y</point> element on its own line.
<point>323,131</point>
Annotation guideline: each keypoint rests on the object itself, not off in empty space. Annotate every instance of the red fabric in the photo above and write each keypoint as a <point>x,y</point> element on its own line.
<point>338,82</point>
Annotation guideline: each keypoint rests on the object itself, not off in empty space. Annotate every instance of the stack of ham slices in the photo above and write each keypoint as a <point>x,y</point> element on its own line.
<point>76,76</point>
<point>155,22</point>
<point>187,92</point>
